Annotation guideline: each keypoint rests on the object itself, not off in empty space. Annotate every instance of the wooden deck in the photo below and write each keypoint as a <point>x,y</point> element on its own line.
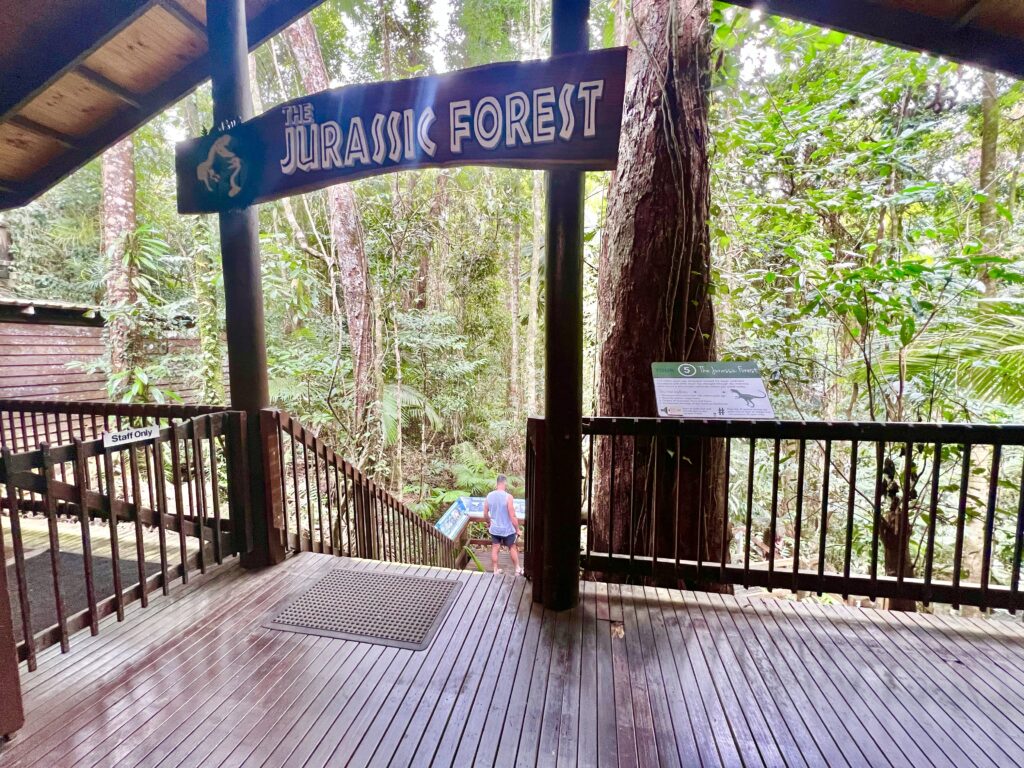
<point>637,676</point>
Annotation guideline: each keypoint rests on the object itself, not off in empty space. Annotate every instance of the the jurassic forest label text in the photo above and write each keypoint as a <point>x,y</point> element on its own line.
<point>564,112</point>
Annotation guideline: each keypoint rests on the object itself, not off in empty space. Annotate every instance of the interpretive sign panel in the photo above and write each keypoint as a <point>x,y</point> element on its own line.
<point>564,112</point>
<point>711,391</point>
<point>467,509</point>
<point>126,436</point>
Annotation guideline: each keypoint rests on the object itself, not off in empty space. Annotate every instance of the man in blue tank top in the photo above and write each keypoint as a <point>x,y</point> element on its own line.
<point>500,516</point>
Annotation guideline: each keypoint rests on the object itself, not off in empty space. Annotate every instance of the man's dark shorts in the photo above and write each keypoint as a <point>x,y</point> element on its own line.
<point>505,541</point>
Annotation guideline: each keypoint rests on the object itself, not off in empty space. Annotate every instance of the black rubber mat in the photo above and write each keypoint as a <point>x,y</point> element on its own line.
<point>371,607</point>
<point>39,578</point>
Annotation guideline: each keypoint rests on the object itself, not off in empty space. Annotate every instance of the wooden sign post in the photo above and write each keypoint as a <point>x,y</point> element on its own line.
<point>243,291</point>
<point>561,115</point>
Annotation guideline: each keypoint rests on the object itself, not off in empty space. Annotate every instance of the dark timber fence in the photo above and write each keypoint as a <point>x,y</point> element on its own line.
<point>325,504</point>
<point>910,512</point>
<point>113,524</point>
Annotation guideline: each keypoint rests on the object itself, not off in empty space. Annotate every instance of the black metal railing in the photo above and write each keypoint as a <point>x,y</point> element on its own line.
<point>909,512</point>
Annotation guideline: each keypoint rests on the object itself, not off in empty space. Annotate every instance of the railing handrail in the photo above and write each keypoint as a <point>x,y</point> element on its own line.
<point>86,480</point>
<point>107,408</point>
<point>922,489</point>
<point>289,425</point>
<point>863,431</point>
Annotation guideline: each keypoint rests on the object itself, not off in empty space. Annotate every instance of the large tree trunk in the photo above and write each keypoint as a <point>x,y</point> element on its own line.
<point>989,152</point>
<point>346,233</point>
<point>654,302</point>
<point>116,227</point>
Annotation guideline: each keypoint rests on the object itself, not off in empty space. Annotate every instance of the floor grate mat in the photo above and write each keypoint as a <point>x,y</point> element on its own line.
<point>371,607</point>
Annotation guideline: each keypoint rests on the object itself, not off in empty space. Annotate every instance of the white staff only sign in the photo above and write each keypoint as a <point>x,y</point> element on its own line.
<point>128,436</point>
<point>564,112</point>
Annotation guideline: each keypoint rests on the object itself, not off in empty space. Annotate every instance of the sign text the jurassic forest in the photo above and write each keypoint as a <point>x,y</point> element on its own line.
<point>564,112</point>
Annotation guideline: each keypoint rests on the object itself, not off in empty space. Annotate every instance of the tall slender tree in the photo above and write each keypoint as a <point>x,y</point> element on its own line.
<point>346,233</point>
<point>654,299</point>
<point>117,225</point>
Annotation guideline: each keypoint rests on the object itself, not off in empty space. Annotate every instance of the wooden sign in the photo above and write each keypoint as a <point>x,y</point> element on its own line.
<point>564,112</point>
<point>128,436</point>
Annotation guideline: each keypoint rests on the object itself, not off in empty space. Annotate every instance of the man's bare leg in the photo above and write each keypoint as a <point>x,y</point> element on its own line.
<point>494,557</point>
<point>513,552</point>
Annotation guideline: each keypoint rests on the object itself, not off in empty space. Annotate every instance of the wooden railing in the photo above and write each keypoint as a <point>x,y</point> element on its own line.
<point>325,504</point>
<point>178,493</point>
<point>909,512</point>
<point>27,424</point>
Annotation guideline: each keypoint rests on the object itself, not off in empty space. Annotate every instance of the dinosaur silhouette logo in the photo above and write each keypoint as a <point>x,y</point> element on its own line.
<point>747,398</point>
<point>220,156</point>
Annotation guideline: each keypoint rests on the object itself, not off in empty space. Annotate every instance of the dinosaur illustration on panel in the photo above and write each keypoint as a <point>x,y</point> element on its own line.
<point>747,398</point>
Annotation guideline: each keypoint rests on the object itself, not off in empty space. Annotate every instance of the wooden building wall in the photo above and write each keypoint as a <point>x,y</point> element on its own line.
<point>36,362</point>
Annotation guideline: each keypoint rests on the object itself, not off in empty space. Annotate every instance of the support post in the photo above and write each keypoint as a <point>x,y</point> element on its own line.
<point>12,716</point>
<point>563,351</point>
<point>243,291</point>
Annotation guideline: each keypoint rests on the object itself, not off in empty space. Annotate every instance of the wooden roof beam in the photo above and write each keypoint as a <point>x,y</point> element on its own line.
<point>61,53</point>
<point>276,17</point>
<point>905,29</point>
<point>186,18</point>
<point>42,130</point>
<point>108,85</point>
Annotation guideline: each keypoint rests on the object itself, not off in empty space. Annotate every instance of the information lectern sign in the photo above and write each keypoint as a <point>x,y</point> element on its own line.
<point>711,391</point>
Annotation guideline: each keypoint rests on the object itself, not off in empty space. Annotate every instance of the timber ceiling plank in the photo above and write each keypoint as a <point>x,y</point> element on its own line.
<point>49,39</point>
<point>22,152</point>
<point>152,49</point>
<point>266,18</point>
<point>73,105</point>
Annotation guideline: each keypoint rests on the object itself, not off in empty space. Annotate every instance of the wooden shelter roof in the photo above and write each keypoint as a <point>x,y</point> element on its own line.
<point>987,33</point>
<point>78,75</point>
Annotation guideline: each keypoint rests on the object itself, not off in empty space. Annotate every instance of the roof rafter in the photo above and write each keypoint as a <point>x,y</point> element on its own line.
<point>953,38</point>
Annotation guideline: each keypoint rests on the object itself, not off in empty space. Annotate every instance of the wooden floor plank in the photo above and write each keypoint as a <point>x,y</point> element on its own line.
<point>822,714</point>
<point>554,714</point>
<point>732,684</point>
<point>524,712</point>
<point>750,687</point>
<point>638,624</point>
<point>927,686</point>
<point>481,678</point>
<point>966,647</point>
<point>764,674</point>
<point>905,733</point>
<point>116,700</point>
<point>854,714</point>
<point>686,725</point>
<point>634,676</point>
<point>496,687</point>
<point>572,693</point>
<point>424,729</point>
<point>586,748</point>
<point>607,732</point>
<point>510,700</point>
<point>718,695</point>
<point>387,729</point>
<point>965,641</point>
